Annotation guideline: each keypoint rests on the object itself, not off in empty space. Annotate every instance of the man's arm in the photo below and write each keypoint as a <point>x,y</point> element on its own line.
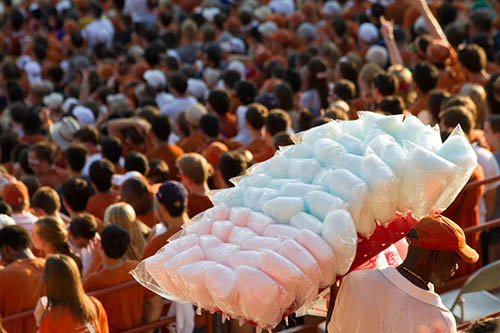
<point>153,308</point>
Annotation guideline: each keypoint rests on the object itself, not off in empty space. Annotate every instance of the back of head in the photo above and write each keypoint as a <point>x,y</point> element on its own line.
<point>277,121</point>
<point>83,226</point>
<point>76,156</point>
<point>111,149</point>
<point>457,115</point>
<point>100,173</point>
<point>195,167</point>
<point>76,193</point>
<point>136,161</point>
<point>115,240</point>
<point>46,199</point>
<point>256,116</point>
<point>473,58</point>
<point>425,76</point>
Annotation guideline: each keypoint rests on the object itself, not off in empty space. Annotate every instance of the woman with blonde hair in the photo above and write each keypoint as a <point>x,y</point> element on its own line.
<point>50,236</point>
<point>123,214</point>
<point>66,308</point>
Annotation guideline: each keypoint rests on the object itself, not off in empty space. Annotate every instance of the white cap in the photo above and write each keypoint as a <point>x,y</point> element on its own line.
<point>118,180</point>
<point>84,115</point>
<point>68,103</point>
<point>155,78</point>
<point>368,33</point>
<point>197,88</point>
<point>53,100</point>
<point>33,71</point>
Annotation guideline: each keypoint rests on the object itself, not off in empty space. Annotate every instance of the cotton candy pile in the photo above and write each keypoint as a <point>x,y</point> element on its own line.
<point>290,226</point>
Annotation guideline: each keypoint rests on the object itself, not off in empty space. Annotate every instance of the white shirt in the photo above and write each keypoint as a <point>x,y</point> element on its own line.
<point>243,135</point>
<point>25,219</point>
<point>383,300</point>
<point>175,107</point>
<point>490,168</point>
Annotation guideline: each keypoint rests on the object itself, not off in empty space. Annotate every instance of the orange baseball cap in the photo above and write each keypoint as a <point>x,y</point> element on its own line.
<point>15,193</point>
<point>437,232</point>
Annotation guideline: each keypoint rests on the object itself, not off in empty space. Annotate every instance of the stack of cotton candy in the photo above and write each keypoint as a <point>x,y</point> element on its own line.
<point>291,225</point>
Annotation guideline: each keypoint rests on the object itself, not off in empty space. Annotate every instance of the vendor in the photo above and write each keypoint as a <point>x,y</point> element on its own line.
<point>402,299</point>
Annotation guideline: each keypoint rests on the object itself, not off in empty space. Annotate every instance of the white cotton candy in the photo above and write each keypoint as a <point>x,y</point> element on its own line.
<point>220,253</point>
<point>383,187</point>
<point>299,288</point>
<point>389,124</point>
<point>354,128</point>
<point>232,197</point>
<point>320,179</point>
<point>193,278</point>
<point>303,169</point>
<point>304,260</point>
<point>277,184</point>
<point>425,178</point>
<point>217,213</point>
<point>257,243</point>
<point>255,180</point>
<point>240,235</point>
<point>239,216</point>
<point>245,258</point>
<point>255,197</point>
<point>275,167</point>
<point>258,222</point>
<point>303,150</point>
<point>306,221</point>
<point>458,151</point>
<point>340,233</point>
<point>354,191</point>
<point>298,189</point>
<point>208,241</point>
<point>323,254</point>
<point>260,297</point>
<point>328,151</point>
<point>221,284</point>
<point>222,229</point>
<point>350,162</point>
<point>281,209</point>
<point>280,230</point>
<point>330,130</point>
<point>321,203</point>
<point>351,144</point>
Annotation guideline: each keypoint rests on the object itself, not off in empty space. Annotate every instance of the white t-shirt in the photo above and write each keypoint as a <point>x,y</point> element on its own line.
<point>383,300</point>
<point>25,219</point>
<point>175,107</point>
<point>490,168</point>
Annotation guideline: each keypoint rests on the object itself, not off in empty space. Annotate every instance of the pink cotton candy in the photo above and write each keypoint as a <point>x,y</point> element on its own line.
<point>260,297</point>
<point>322,252</point>
<point>221,284</point>
<point>301,258</point>
<point>193,278</point>
<point>298,287</point>
<point>258,242</point>
<point>258,222</point>
<point>222,229</point>
<point>277,230</point>
<point>240,235</point>
<point>239,216</point>
<point>208,241</point>
<point>221,252</point>
<point>184,243</point>
<point>245,258</point>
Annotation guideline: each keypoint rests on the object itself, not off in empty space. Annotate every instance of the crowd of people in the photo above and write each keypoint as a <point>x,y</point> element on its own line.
<point>117,118</point>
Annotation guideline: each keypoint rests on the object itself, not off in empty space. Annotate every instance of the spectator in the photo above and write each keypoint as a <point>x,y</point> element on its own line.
<point>135,301</point>
<point>136,193</point>
<point>101,173</point>
<point>16,195</point>
<point>21,283</point>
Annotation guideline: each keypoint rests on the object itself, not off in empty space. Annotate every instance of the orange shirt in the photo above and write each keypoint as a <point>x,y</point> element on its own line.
<point>193,143</point>
<point>148,219</point>
<point>98,203</point>
<point>169,154</point>
<point>123,308</point>
<point>53,178</point>
<point>21,286</point>
<point>198,203</point>
<point>60,320</point>
<point>158,242</point>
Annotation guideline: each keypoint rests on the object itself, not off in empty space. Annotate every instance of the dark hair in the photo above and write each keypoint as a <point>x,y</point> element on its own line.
<point>7,143</point>
<point>316,67</point>
<point>136,161</point>
<point>209,124</point>
<point>76,193</point>
<point>161,127</point>
<point>87,134</point>
<point>386,84</point>
<point>246,92</point>
<point>111,149</point>
<point>17,111</point>
<point>473,58</point>
<point>83,226</point>
<point>16,237</point>
<point>115,241</point>
<point>277,121</point>
<point>392,105</point>
<point>158,171</point>
<point>76,156</point>
<point>220,101</point>
<point>100,173</point>
<point>178,81</point>
<point>425,76</point>
<point>345,90</point>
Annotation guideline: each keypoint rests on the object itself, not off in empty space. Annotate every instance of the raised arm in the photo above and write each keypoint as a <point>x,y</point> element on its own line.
<point>387,29</point>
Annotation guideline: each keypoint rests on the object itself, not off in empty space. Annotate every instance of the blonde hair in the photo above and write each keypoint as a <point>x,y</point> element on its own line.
<point>478,96</point>
<point>123,214</point>
<point>194,166</point>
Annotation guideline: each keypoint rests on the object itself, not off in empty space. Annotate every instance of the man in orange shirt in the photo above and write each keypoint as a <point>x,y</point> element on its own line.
<point>161,129</point>
<point>136,193</point>
<point>100,173</point>
<point>194,172</point>
<point>124,308</point>
<point>171,209</point>
<point>41,161</point>
<point>21,283</point>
